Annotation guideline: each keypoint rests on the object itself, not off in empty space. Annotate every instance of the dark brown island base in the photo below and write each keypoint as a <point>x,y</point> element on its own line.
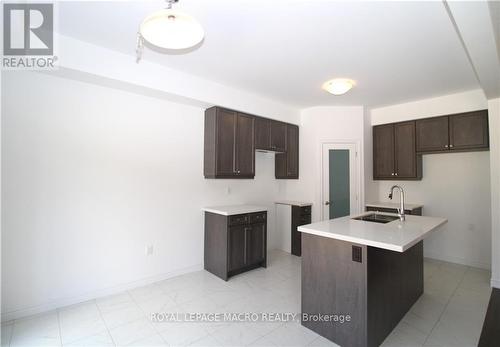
<point>370,283</point>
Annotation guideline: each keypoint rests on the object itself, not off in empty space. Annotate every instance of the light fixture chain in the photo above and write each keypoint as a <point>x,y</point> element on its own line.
<point>170,3</point>
<point>140,48</point>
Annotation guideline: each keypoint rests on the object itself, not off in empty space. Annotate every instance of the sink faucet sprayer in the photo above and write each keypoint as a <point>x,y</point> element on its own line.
<point>401,209</point>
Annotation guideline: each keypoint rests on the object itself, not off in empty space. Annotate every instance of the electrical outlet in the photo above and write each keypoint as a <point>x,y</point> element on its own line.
<point>149,250</point>
<point>357,254</point>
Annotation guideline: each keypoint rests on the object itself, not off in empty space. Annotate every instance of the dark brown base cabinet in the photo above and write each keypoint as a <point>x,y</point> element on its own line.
<point>414,212</point>
<point>301,215</point>
<point>235,244</point>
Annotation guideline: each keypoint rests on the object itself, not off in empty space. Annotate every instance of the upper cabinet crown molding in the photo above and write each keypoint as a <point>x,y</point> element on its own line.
<point>398,147</point>
<point>231,138</point>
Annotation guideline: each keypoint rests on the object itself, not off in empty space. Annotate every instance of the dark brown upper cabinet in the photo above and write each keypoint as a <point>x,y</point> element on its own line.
<point>278,136</point>
<point>469,131</point>
<point>432,134</point>
<point>383,151</point>
<point>229,144</point>
<point>394,154</point>
<point>287,163</point>
<point>398,147</point>
<point>457,132</point>
<point>231,138</point>
<point>263,134</point>
<point>408,163</point>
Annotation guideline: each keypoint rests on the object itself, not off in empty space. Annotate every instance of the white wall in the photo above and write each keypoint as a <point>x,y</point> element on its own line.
<point>448,104</point>
<point>494,120</point>
<point>99,65</point>
<point>91,175</point>
<point>318,125</point>
<point>454,185</point>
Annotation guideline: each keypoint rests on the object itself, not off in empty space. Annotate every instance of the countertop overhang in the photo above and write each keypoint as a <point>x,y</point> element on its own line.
<point>395,236</point>
<point>231,210</point>
<point>293,203</point>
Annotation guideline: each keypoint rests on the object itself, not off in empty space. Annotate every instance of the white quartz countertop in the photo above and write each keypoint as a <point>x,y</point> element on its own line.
<point>395,236</point>
<point>393,205</point>
<point>231,210</point>
<point>293,203</point>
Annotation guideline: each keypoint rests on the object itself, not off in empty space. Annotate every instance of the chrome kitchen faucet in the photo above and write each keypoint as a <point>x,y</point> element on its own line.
<point>401,209</point>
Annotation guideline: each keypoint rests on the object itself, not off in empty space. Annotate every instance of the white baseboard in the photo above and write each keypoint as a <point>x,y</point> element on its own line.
<point>495,283</point>
<point>49,306</point>
<point>457,260</point>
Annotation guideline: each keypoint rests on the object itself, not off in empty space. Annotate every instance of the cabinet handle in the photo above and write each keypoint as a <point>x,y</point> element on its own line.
<point>451,146</point>
<point>392,174</point>
<point>245,247</point>
<point>445,146</point>
<point>396,174</point>
<point>264,242</point>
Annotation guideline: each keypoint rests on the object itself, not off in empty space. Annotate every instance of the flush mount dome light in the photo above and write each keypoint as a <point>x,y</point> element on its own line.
<point>338,86</point>
<point>169,29</point>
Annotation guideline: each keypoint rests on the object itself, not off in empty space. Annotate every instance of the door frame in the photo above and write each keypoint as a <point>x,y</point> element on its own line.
<point>357,173</point>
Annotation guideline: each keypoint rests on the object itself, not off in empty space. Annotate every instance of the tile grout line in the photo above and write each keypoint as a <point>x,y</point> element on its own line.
<point>11,333</point>
<point>446,305</point>
<point>148,318</point>
<point>59,325</point>
<point>107,328</point>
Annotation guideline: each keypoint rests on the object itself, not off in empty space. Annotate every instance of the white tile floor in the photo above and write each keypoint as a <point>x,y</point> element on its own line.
<point>450,313</point>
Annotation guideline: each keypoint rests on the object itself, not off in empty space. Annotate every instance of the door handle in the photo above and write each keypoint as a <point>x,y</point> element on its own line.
<point>328,203</point>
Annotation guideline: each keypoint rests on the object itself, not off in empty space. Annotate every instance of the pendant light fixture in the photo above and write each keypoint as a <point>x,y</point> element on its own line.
<point>169,30</point>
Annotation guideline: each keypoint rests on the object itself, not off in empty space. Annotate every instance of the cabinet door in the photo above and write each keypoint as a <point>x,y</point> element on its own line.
<point>245,149</point>
<point>278,136</point>
<point>280,165</point>
<point>383,151</point>
<point>300,216</point>
<point>405,151</point>
<point>237,247</point>
<point>432,134</point>
<point>469,130</point>
<point>226,128</point>
<point>262,133</point>
<point>256,243</point>
<point>292,151</point>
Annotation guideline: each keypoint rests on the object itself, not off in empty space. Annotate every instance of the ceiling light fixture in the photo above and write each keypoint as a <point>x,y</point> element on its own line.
<point>169,29</point>
<point>338,86</point>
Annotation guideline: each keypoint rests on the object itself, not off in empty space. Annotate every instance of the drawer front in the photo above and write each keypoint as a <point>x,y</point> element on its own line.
<point>259,217</point>
<point>239,219</point>
<point>305,210</point>
<point>305,219</point>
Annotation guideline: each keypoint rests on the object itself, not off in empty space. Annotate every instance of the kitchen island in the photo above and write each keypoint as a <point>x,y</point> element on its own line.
<point>370,271</point>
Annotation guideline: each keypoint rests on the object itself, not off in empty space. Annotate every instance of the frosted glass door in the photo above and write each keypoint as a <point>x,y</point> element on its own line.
<point>339,172</point>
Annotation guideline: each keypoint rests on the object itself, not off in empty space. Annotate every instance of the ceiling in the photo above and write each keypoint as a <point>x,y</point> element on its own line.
<point>286,49</point>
